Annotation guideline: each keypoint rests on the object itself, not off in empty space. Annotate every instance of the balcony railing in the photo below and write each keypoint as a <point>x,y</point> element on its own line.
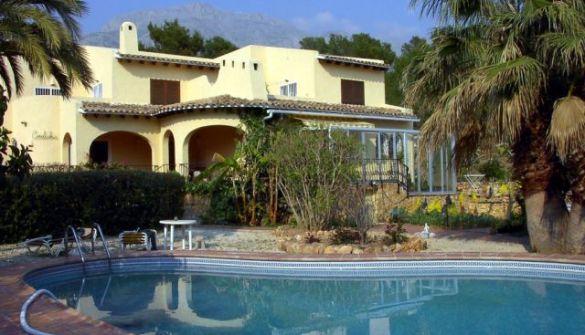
<point>384,171</point>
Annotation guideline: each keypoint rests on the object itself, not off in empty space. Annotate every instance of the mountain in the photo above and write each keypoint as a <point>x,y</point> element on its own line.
<point>240,28</point>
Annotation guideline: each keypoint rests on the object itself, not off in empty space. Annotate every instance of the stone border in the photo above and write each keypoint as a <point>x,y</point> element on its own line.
<point>54,317</point>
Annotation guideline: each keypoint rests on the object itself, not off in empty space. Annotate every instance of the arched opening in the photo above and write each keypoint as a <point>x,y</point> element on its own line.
<point>121,148</point>
<point>66,152</point>
<point>169,151</point>
<point>204,142</point>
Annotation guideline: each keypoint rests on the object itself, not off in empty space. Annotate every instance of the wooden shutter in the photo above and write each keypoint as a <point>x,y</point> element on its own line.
<point>164,92</point>
<point>173,92</point>
<point>352,92</point>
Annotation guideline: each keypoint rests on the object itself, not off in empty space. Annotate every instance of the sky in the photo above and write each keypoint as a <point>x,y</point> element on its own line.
<point>389,20</point>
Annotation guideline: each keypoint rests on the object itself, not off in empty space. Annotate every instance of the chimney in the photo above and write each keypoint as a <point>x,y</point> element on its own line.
<point>128,38</point>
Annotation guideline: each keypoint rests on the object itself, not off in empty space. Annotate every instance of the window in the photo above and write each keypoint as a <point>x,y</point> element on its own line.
<point>289,89</point>
<point>352,92</point>
<point>47,91</point>
<point>387,152</point>
<point>164,92</point>
<point>98,90</point>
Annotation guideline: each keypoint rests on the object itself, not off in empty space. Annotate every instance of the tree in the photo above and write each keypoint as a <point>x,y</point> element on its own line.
<point>358,45</point>
<point>513,70</point>
<point>217,46</point>
<point>42,36</point>
<point>393,79</point>
<point>173,38</point>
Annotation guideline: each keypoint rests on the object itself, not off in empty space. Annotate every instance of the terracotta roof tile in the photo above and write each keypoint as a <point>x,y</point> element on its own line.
<point>226,101</point>
<point>168,60</point>
<point>353,61</point>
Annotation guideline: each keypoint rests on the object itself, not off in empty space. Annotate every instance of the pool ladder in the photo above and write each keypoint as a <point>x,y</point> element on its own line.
<point>24,311</point>
<point>99,232</point>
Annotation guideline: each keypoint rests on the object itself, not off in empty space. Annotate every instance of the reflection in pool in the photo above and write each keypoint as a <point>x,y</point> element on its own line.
<point>214,304</point>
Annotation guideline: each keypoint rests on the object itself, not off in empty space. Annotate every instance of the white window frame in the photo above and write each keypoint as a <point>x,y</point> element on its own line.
<point>51,91</point>
<point>446,168</point>
<point>286,88</point>
<point>98,90</point>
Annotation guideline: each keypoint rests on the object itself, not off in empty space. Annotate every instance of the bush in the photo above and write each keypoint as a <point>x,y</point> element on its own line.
<point>46,203</point>
<point>494,170</point>
<point>313,170</point>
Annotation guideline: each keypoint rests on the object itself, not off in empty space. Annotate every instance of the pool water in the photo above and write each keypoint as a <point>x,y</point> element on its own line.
<point>191,303</point>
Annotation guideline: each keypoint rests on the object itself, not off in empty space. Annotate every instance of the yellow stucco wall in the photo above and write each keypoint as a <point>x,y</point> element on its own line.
<point>252,72</point>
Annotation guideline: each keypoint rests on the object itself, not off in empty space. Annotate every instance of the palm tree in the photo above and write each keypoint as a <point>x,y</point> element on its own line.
<point>43,36</point>
<point>513,70</point>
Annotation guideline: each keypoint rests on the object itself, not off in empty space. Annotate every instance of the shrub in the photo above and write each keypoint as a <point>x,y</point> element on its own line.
<point>494,170</point>
<point>313,170</point>
<point>345,236</point>
<point>46,203</point>
<point>395,233</point>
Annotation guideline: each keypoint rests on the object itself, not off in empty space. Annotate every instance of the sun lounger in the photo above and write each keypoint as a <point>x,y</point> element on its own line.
<point>138,238</point>
<point>55,246</point>
<point>35,245</point>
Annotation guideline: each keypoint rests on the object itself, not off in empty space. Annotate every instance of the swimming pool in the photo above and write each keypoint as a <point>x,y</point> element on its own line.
<point>186,295</point>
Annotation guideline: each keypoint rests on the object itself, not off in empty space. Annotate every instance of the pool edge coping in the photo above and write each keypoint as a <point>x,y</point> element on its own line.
<point>55,317</point>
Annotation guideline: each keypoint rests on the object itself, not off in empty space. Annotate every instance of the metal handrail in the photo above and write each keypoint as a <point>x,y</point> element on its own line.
<point>77,241</point>
<point>24,311</point>
<point>105,243</point>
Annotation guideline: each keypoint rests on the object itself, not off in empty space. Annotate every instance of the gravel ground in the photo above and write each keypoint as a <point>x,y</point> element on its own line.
<point>262,240</point>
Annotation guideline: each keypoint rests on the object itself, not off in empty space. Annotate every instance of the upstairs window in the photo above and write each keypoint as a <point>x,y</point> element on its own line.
<point>289,89</point>
<point>47,91</point>
<point>164,92</point>
<point>98,90</point>
<point>352,92</point>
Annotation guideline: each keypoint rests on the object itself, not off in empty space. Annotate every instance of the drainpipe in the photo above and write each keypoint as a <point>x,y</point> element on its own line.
<point>269,116</point>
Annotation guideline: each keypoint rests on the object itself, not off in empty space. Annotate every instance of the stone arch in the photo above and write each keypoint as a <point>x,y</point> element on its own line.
<point>169,152</point>
<point>66,153</point>
<point>202,143</point>
<point>122,148</point>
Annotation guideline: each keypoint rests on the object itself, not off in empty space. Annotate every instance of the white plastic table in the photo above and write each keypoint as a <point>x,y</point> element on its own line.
<point>186,224</point>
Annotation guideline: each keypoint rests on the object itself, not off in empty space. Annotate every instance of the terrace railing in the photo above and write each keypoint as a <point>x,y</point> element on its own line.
<point>384,171</point>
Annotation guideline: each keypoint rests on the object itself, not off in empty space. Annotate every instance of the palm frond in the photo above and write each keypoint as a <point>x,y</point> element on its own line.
<point>455,10</point>
<point>567,128</point>
<point>44,33</point>
<point>565,51</point>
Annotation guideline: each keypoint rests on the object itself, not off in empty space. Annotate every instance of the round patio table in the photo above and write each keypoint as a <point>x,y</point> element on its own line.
<point>186,224</point>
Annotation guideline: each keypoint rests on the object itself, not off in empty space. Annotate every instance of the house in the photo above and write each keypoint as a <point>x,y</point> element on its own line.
<point>168,112</point>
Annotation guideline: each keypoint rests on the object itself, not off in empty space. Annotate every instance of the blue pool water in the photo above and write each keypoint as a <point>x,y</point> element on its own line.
<point>214,303</point>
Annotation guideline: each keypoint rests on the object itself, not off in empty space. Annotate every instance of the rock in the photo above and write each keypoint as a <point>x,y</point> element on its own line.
<point>414,245</point>
<point>299,238</point>
<point>293,248</point>
<point>319,248</point>
<point>311,249</point>
<point>357,251</point>
<point>330,250</point>
<point>345,250</point>
<point>281,244</point>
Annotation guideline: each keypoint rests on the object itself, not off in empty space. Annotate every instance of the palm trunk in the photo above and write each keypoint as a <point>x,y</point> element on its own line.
<point>575,239</point>
<point>546,218</point>
<point>541,175</point>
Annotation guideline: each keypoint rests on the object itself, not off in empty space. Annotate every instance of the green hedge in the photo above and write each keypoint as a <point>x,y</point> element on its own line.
<point>46,203</point>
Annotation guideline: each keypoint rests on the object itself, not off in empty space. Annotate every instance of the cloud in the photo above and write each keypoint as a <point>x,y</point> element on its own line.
<point>324,23</point>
